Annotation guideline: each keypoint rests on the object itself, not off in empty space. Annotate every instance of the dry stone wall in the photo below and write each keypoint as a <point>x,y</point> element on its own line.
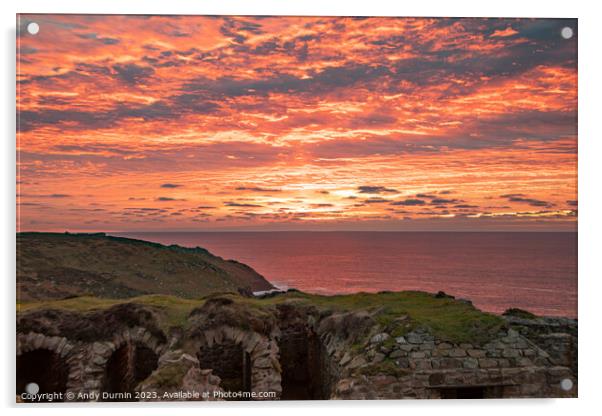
<point>347,354</point>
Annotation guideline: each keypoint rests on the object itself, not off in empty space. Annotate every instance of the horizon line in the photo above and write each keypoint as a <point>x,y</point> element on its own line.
<point>292,231</point>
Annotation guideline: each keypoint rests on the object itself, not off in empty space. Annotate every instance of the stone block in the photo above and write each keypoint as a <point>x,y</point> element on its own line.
<point>471,363</point>
<point>414,338</point>
<point>378,338</point>
<point>457,352</point>
<point>510,353</point>
<point>398,353</point>
<point>487,363</point>
<point>476,353</point>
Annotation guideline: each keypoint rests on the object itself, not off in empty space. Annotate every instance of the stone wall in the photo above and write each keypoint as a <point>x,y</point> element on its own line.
<point>418,365</point>
<point>557,336</point>
<point>311,354</point>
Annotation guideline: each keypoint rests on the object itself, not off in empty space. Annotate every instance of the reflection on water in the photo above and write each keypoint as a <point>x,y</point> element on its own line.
<point>496,270</point>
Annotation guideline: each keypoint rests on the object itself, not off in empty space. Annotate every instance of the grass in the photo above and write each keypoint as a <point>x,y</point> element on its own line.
<point>447,318</point>
<point>56,266</point>
<point>175,310</point>
<point>396,312</point>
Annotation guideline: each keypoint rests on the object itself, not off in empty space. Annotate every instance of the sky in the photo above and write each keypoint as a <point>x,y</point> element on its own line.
<point>193,123</point>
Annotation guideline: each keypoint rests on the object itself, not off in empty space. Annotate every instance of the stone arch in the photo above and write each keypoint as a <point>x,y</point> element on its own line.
<point>48,361</point>
<point>247,355</point>
<point>115,367</point>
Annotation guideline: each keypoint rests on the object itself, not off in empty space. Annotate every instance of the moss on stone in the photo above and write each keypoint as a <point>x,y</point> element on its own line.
<point>387,368</point>
<point>167,377</point>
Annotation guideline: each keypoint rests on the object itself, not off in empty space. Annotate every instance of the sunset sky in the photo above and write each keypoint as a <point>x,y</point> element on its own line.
<point>303,123</point>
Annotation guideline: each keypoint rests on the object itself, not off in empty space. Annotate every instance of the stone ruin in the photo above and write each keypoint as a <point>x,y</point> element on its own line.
<point>289,351</point>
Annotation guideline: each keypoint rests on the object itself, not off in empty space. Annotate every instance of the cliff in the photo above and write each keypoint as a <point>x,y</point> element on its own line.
<point>56,266</point>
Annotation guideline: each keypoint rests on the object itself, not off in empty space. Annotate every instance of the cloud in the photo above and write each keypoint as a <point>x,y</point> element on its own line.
<point>256,189</point>
<point>503,33</point>
<point>531,201</point>
<point>166,198</point>
<point>133,74</point>
<point>56,196</point>
<point>366,189</point>
<point>104,40</point>
<point>376,200</point>
<point>241,205</point>
<point>170,185</point>
<point>409,202</point>
<point>441,201</point>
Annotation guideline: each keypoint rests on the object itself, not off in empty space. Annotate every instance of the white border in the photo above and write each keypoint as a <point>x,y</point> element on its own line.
<point>590,232</point>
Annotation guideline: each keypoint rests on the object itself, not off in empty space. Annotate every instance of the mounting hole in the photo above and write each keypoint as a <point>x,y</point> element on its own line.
<point>33,28</point>
<point>566,32</point>
<point>32,388</point>
<point>566,384</point>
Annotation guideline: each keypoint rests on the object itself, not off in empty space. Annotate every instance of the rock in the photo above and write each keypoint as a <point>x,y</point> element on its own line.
<point>414,338</point>
<point>442,295</point>
<point>346,358</point>
<point>344,386</point>
<point>421,364</point>
<point>449,363</point>
<point>529,352</point>
<point>471,363</point>
<point>476,353</point>
<point>524,362</point>
<point>398,353</point>
<point>457,353</point>
<point>100,348</point>
<point>378,358</point>
<point>401,340</point>
<point>378,338</point>
<point>263,362</point>
<point>487,363</point>
<point>403,363</point>
<point>510,353</point>
<point>357,361</point>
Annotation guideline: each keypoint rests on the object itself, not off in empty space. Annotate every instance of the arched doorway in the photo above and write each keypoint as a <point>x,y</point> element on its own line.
<point>127,366</point>
<point>230,362</point>
<point>44,367</point>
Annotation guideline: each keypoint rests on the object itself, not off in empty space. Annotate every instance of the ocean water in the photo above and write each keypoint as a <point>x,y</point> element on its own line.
<point>496,270</point>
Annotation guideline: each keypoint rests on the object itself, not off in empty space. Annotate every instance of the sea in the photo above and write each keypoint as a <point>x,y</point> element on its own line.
<point>535,271</point>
